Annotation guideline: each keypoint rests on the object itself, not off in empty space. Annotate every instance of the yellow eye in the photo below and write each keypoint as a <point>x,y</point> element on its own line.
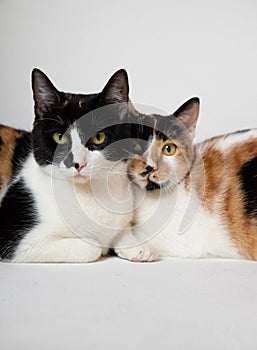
<point>60,138</point>
<point>136,146</point>
<point>169,149</point>
<point>98,138</point>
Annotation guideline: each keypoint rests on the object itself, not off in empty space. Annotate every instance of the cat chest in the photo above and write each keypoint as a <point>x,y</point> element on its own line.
<point>64,211</point>
<point>65,208</point>
<point>105,210</point>
<point>180,226</point>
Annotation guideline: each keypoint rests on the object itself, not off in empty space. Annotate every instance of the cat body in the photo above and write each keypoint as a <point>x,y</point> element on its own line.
<point>63,233</point>
<point>195,201</point>
<point>65,194</point>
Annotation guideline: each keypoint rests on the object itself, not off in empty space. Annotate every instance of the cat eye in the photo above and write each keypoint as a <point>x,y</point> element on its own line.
<point>60,138</point>
<point>169,149</point>
<point>136,146</point>
<point>98,138</point>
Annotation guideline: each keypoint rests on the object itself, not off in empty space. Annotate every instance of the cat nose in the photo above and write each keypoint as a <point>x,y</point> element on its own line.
<point>149,168</point>
<point>79,167</point>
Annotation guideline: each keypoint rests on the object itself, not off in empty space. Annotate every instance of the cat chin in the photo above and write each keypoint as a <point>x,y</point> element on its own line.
<point>76,179</point>
<point>80,179</point>
<point>151,185</point>
<point>140,183</point>
<point>147,185</point>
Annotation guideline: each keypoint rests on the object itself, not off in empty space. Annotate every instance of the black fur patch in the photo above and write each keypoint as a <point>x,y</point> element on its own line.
<point>1,142</point>
<point>248,180</point>
<point>152,186</point>
<point>18,215</point>
<point>21,152</point>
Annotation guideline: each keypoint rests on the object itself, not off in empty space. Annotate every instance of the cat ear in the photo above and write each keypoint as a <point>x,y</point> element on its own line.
<point>188,114</point>
<point>117,88</point>
<point>45,95</point>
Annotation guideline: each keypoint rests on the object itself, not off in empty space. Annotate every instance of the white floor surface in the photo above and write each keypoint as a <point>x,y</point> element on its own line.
<point>114,304</point>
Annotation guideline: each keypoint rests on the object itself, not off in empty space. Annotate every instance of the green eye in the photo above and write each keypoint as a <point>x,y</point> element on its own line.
<point>136,146</point>
<point>60,138</point>
<point>169,149</point>
<point>98,138</point>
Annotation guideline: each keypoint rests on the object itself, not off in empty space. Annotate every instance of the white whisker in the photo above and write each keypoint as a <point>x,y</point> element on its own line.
<point>53,120</point>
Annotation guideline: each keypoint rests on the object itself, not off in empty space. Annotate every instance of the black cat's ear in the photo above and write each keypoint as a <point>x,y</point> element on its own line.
<point>117,88</point>
<point>188,114</point>
<point>45,95</point>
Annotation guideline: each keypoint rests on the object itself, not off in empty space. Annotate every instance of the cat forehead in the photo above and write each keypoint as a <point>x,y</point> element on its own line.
<point>162,127</point>
<point>71,109</point>
<point>89,114</point>
<point>79,101</point>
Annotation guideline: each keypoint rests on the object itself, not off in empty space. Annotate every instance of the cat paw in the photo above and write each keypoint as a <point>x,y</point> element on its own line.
<point>92,255</point>
<point>92,251</point>
<point>141,253</point>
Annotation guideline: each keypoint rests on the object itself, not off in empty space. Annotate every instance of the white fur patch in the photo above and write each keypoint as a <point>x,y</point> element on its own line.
<point>229,141</point>
<point>177,225</point>
<point>78,222</point>
<point>77,149</point>
<point>151,146</point>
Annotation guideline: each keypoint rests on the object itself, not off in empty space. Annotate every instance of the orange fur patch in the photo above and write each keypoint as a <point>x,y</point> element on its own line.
<point>65,103</point>
<point>222,192</point>
<point>242,229</point>
<point>9,137</point>
<point>213,176</point>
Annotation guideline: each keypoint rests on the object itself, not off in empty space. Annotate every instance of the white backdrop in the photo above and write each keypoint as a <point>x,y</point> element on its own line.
<point>172,50</point>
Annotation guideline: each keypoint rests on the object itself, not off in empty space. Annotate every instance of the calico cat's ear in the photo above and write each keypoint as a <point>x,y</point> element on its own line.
<point>188,114</point>
<point>45,95</point>
<point>117,88</point>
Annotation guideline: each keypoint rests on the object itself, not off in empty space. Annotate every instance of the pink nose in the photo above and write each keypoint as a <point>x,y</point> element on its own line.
<point>79,167</point>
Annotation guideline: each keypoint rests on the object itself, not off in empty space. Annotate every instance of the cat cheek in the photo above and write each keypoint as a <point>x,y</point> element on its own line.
<point>167,168</point>
<point>142,183</point>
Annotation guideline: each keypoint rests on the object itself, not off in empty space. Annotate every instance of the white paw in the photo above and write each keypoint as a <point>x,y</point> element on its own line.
<point>92,254</point>
<point>139,253</point>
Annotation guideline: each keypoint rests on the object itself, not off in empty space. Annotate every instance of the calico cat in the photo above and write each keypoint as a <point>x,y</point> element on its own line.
<point>194,201</point>
<point>65,195</point>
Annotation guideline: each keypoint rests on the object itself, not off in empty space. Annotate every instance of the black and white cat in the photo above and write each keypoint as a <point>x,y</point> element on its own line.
<point>65,195</point>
